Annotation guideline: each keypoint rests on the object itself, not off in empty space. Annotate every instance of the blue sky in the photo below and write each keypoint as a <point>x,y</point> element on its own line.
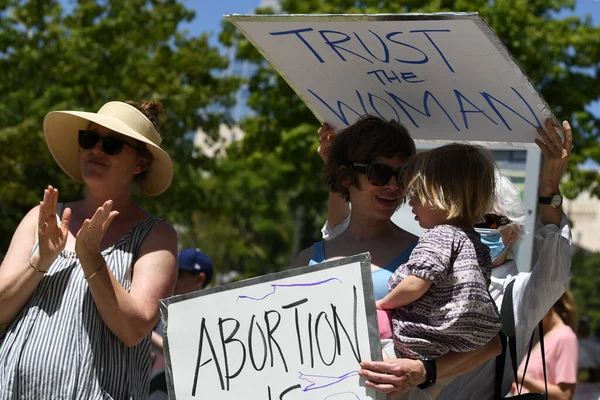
<point>210,12</point>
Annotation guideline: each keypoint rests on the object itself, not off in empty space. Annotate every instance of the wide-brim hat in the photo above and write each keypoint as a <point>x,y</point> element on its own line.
<point>61,130</point>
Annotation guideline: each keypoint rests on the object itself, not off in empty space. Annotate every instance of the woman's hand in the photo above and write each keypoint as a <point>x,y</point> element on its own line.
<point>326,135</point>
<point>89,237</point>
<point>557,153</point>
<point>394,376</point>
<point>52,237</point>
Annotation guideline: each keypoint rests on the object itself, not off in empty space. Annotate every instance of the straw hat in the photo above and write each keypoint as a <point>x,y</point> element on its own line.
<point>61,129</point>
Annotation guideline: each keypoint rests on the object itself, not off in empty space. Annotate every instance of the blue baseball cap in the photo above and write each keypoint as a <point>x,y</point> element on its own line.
<point>195,261</point>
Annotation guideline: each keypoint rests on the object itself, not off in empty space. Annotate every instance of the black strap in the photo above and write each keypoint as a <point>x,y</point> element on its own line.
<point>508,329</point>
<point>500,361</point>
<point>508,339</point>
<point>543,357</point>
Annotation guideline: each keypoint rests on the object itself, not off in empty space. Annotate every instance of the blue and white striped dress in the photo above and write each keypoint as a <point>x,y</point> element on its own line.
<point>58,347</point>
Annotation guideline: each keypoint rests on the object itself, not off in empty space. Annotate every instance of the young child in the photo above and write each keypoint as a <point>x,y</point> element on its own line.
<point>439,299</point>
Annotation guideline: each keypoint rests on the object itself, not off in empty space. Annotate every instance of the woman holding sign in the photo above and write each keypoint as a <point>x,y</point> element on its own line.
<point>364,165</point>
<point>534,292</point>
<point>80,283</point>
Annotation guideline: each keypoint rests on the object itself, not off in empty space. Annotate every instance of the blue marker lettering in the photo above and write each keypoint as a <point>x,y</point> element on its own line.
<point>383,45</point>
<point>362,103</point>
<point>407,76</point>
<point>392,78</point>
<point>460,97</point>
<point>426,95</point>
<point>341,116</point>
<point>389,37</point>
<point>335,44</point>
<point>298,32</point>
<point>489,99</point>
<point>425,31</point>
<point>372,96</point>
<point>376,72</point>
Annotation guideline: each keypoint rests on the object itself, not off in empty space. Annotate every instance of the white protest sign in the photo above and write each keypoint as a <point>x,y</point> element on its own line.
<point>298,334</point>
<point>446,76</point>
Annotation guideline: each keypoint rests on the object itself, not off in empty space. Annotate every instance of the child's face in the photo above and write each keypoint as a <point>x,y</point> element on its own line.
<point>427,216</point>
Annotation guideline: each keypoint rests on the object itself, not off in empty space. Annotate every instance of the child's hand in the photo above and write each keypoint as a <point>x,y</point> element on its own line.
<point>378,305</point>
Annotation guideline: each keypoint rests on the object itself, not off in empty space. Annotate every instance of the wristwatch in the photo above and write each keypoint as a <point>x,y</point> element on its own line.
<point>431,373</point>
<point>554,201</point>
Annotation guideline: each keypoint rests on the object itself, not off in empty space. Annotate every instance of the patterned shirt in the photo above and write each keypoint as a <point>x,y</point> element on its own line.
<point>457,313</point>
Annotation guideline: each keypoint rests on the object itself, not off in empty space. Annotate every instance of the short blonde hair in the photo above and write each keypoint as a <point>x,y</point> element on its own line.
<point>455,178</point>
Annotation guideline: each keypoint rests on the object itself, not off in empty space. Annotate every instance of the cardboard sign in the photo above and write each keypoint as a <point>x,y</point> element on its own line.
<point>446,77</point>
<point>298,334</point>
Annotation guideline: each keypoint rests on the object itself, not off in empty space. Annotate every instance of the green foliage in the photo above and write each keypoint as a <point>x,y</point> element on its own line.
<point>585,284</point>
<point>561,56</point>
<point>98,51</point>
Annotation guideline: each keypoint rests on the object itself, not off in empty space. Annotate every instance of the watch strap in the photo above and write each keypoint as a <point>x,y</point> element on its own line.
<point>431,371</point>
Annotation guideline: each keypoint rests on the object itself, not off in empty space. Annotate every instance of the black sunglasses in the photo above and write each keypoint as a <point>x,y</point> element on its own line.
<point>493,221</point>
<point>378,174</point>
<point>111,145</point>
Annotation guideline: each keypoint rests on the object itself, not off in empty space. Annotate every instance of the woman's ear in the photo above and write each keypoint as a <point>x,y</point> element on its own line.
<point>344,176</point>
<point>141,166</point>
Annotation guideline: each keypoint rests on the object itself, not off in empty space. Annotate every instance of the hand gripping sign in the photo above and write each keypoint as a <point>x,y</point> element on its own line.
<point>297,334</point>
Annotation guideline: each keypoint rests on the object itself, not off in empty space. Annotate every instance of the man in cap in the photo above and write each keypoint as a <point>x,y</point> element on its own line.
<point>195,271</point>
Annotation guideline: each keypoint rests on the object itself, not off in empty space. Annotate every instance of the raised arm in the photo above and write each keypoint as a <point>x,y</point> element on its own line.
<point>557,153</point>
<point>21,272</point>
<point>551,271</point>
<point>337,208</point>
<point>129,315</point>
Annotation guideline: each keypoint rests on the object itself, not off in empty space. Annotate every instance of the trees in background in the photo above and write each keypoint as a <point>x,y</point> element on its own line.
<point>255,208</point>
<point>78,58</point>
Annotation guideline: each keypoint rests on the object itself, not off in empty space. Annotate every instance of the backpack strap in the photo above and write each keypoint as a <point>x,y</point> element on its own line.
<point>508,339</point>
<point>508,330</point>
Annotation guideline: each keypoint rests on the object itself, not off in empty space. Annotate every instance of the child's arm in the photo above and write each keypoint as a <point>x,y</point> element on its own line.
<point>408,290</point>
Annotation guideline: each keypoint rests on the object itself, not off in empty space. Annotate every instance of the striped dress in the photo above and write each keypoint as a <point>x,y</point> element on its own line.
<point>457,313</point>
<point>58,347</point>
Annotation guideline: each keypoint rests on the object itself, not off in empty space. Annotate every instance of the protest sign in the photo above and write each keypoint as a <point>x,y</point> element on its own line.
<point>298,334</point>
<point>446,76</point>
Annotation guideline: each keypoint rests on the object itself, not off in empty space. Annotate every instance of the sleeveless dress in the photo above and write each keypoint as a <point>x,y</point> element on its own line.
<point>380,276</point>
<point>58,347</point>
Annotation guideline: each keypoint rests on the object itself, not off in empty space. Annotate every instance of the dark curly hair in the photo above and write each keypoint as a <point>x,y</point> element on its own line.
<point>367,138</point>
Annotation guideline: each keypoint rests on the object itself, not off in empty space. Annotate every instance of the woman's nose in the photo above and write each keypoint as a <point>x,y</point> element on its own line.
<point>98,148</point>
<point>392,183</point>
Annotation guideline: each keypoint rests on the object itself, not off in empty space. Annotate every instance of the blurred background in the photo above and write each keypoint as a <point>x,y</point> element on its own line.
<point>248,188</point>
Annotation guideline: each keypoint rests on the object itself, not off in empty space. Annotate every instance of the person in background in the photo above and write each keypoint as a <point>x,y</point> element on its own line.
<point>561,352</point>
<point>195,273</point>
<point>534,292</point>
<point>81,281</point>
